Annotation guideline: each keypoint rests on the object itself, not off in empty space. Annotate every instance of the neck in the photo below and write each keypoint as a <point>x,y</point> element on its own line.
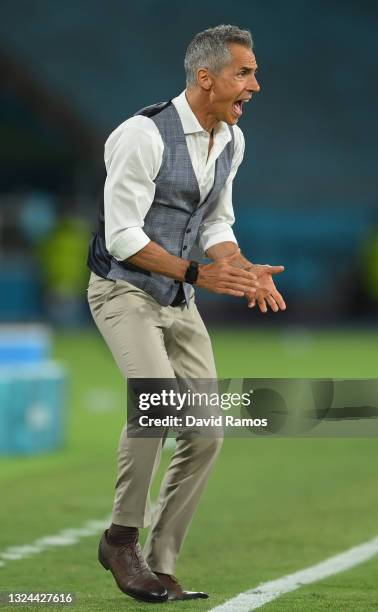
<point>200,105</point>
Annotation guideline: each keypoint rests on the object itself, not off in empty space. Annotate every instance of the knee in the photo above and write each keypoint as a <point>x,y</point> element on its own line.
<point>212,446</point>
<point>199,448</point>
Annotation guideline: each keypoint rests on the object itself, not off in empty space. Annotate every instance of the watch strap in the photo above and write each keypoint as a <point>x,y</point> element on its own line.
<point>191,273</point>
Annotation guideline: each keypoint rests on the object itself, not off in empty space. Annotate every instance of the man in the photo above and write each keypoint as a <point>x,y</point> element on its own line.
<point>170,170</point>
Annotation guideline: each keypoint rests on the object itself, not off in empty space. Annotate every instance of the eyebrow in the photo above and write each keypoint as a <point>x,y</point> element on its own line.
<point>248,68</point>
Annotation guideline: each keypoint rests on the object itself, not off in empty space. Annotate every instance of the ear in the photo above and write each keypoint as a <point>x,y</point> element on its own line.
<point>204,79</point>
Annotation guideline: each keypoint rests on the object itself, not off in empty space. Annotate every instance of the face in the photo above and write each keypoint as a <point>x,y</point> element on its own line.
<point>234,85</point>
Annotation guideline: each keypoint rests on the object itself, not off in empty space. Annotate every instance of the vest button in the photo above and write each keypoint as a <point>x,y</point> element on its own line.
<point>184,248</point>
<point>188,231</point>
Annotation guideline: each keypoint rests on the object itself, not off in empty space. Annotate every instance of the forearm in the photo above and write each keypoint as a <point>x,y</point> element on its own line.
<point>222,249</point>
<point>156,259</point>
<point>220,277</point>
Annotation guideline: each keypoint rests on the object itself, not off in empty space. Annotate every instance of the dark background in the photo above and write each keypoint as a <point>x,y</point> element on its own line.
<point>305,195</point>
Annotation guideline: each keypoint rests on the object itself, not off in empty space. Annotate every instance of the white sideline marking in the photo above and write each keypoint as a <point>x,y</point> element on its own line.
<point>267,591</point>
<point>67,537</point>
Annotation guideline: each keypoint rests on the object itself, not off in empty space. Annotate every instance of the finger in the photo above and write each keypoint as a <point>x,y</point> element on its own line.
<point>242,273</point>
<point>272,303</point>
<point>237,287</point>
<point>274,269</point>
<point>225,291</point>
<point>279,299</point>
<point>251,298</point>
<point>229,279</point>
<point>262,305</point>
<point>231,292</point>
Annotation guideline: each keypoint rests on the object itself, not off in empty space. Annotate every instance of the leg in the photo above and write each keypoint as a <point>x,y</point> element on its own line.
<point>131,323</point>
<point>190,352</point>
<point>180,493</point>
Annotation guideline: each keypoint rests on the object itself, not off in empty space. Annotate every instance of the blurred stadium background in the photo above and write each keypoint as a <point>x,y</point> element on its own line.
<point>306,196</point>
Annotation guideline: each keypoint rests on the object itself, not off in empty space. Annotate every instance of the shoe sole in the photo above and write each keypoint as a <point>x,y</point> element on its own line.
<point>106,566</point>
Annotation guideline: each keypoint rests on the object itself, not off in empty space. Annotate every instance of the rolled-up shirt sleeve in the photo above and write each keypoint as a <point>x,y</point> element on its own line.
<point>133,155</point>
<point>217,223</point>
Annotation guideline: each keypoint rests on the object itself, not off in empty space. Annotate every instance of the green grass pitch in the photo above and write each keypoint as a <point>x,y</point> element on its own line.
<point>272,507</point>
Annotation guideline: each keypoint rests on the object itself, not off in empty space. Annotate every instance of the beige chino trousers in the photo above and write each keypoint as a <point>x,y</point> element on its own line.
<point>152,341</point>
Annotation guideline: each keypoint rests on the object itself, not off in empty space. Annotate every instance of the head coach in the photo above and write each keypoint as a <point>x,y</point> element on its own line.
<point>170,170</point>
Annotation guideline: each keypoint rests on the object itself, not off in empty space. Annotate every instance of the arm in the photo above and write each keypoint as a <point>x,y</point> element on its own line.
<point>222,249</point>
<point>216,226</point>
<point>133,155</point>
<point>218,241</point>
<point>219,277</point>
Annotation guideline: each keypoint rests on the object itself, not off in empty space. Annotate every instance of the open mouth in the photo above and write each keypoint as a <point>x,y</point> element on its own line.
<point>238,107</point>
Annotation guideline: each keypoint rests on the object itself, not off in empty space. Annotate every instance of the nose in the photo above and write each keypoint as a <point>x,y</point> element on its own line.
<point>254,84</point>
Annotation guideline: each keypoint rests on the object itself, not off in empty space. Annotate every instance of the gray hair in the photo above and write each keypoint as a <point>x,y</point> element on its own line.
<point>210,49</point>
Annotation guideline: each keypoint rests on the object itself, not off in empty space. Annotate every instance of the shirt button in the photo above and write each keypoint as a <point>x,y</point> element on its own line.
<point>184,248</point>
<point>188,231</point>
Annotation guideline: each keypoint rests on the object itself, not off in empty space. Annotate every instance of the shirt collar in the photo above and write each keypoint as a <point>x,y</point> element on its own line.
<point>190,122</point>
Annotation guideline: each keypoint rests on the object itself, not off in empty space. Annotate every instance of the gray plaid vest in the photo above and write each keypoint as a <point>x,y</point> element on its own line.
<point>175,214</point>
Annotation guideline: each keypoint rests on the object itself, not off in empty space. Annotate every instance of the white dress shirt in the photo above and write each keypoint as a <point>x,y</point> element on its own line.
<point>133,156</point>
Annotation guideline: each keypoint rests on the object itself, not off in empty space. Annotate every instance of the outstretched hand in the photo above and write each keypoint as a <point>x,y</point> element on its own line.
<point>266,293</point>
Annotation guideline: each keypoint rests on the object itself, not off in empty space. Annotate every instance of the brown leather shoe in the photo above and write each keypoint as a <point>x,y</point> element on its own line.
<point>175,590</point>
<point>131,571</point>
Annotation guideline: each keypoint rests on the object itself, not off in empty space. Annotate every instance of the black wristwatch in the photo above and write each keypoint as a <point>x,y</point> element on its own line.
<point>191,273</point>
